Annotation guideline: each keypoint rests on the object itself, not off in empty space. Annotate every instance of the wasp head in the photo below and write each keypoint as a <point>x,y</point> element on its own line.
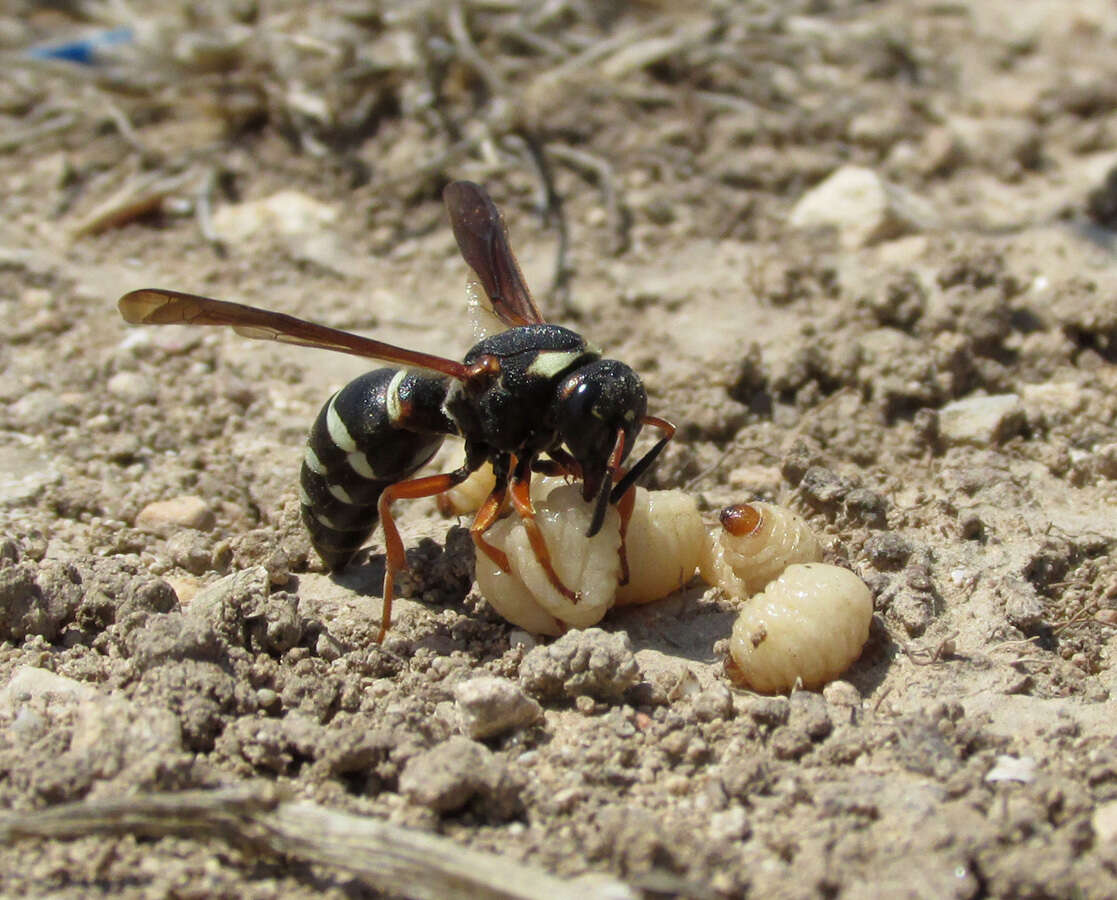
<point>599,411</point>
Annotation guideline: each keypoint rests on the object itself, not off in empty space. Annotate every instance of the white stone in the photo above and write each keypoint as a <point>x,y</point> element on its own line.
<point>185,512</point>
<point>132,387</point>
<point>1105,822</point>
<point>288,213</point>
<point>981,420</point>
<point>23,473</point>
<point>490,705</point>
<point>1013,768</point>
<point>30,682</point>
<point>862,207</point>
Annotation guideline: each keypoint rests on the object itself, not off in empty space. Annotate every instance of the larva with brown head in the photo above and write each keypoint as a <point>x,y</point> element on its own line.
<point>755,543</point>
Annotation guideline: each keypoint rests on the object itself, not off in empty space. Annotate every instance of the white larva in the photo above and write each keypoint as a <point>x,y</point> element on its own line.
<point>664,542</point>
<point>468,496</point>
<point>755,543</point>
<point>588,566</point>
<point>809,625</point>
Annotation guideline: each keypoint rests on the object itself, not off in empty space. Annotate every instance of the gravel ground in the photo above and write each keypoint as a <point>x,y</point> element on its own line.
<point>863,255</point>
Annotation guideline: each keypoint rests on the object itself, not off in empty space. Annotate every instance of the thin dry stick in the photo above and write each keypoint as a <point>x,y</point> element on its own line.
<point>123,125</point>
<point>390,858</point>
<point>467,50</point>
<point>138,197</point>
<point>603,172</point>
<point>19,137</point>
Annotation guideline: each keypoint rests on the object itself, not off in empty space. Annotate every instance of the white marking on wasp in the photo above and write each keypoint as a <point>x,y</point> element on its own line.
<point>391,395</point>
<point>358,462</point>
<point>304,497</point>
<point>548,363</point>
<point>325,520</point>
<point>340,493</point>
<point>313,462</point>
<point>339,434</point>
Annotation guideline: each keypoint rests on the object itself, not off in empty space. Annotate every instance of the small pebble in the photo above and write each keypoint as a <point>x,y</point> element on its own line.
<point>132,387</point>
<point>29,682</point>
<point>862,207</point>
<point>1013,768</point>
<point>489,705</point>
<point>1104,822</point>
<point>730,825</point>
<point>981,421</point>
<point>178,512</point>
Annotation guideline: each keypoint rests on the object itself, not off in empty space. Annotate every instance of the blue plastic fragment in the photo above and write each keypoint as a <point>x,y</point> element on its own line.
<point>83,51</point>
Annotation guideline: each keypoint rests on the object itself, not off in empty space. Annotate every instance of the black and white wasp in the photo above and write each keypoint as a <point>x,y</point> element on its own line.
<point>533,398</point>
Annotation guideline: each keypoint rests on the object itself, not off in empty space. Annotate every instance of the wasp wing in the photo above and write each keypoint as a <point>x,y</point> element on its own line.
<point>483,242</point>
<point>482,316</point>
<point>155,306</point>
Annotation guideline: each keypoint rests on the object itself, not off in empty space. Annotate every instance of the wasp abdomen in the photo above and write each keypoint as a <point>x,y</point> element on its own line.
<point>377,430</point>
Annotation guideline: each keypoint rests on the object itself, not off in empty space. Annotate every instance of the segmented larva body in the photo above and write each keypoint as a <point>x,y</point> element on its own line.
<point>588,566</point>
<point>664,542</point>
<point>468,496</point>
<point>755,543</point>
<point>808,625</point>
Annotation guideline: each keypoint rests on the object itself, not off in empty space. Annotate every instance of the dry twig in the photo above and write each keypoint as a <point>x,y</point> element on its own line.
<point>260,819</point>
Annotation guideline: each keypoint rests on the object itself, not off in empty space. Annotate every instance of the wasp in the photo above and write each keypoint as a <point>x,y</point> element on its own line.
<point>533,398</point>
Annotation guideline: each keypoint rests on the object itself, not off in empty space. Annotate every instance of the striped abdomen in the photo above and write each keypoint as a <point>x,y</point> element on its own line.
<point>377,430</point>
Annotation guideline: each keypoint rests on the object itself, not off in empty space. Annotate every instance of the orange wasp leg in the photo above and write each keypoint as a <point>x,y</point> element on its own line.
<point>521,499</point>
<point>489,512</point>
<point>395,558</point>
<point>625,503</point>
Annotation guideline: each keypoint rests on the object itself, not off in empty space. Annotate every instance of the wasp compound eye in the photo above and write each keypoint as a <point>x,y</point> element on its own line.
<point>594,403</point>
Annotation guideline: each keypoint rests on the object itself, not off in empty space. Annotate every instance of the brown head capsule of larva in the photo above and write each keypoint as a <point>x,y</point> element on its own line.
<point>808,625</point>
<point>755,543</point>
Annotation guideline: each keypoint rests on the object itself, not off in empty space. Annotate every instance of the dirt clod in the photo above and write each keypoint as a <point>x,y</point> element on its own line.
<point>590,663</point>
<point>458,772</point>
